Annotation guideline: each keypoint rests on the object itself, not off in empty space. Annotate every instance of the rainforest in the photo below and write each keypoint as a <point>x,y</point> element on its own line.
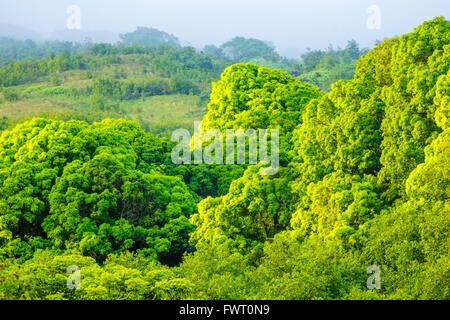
<point>92,206</point>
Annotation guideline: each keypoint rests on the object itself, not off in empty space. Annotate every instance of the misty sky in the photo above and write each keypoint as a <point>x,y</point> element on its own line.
<point>292,25</point>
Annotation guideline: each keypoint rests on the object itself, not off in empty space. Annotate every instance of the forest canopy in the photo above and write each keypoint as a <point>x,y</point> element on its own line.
<point>363,182</point>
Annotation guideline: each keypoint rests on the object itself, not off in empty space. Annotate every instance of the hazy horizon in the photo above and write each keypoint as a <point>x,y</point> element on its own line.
<point>292,26</point>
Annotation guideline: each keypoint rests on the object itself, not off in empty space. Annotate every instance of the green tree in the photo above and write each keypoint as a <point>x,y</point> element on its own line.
<point>149,37</point>
<point>95,188</point>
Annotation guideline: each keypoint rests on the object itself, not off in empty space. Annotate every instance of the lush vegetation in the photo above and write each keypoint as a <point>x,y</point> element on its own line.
<point>149,37</point>
<point>324,67</point>
<point>11,49</point>
<point>132,78</point>
<point>363,180</point>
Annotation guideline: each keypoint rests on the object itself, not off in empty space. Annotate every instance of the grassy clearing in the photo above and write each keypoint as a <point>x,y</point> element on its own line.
<point>169,107</point>
<point>64,95</point>
<point>177,106</point>
<point>35,106</point>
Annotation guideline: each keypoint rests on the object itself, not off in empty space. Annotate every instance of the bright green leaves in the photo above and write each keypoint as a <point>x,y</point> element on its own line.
<point>430,181</point>
<point>79,186</point>
<point>252,97</point>
<point>364,180</point>
<point>337,206</point>
<point>367,180</point>
<point>380,122</point>
<point>123,276</point>
<point>419,59</point>
<point>442,100</point>
<point>256,207</point>
<point>254,210</point>
<point>295,269</point>
<point>340,132</point>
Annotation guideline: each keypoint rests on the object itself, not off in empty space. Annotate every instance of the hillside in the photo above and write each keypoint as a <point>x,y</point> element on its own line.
<point>362,184</point>
<point>56,79</point>
<point>153,86</point>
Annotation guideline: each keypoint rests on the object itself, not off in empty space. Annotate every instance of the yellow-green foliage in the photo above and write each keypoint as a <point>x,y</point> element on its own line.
<point>367,184</point>
<point>95,188</point>
<point>364,181</point>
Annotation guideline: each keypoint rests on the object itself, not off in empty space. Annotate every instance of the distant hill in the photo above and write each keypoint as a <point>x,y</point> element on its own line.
<point>18,33</point>
<point>92,36</point>
<point>149,37</point>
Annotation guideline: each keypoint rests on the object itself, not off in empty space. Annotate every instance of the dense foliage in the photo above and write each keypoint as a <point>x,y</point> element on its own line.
<point>96,188</point>
<point>363,181</point>
<point>11,49</point>
<point>324,67</point>
<point>149,37</point>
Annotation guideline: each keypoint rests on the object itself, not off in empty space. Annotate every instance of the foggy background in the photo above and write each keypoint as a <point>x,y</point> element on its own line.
<point>291,25</point>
